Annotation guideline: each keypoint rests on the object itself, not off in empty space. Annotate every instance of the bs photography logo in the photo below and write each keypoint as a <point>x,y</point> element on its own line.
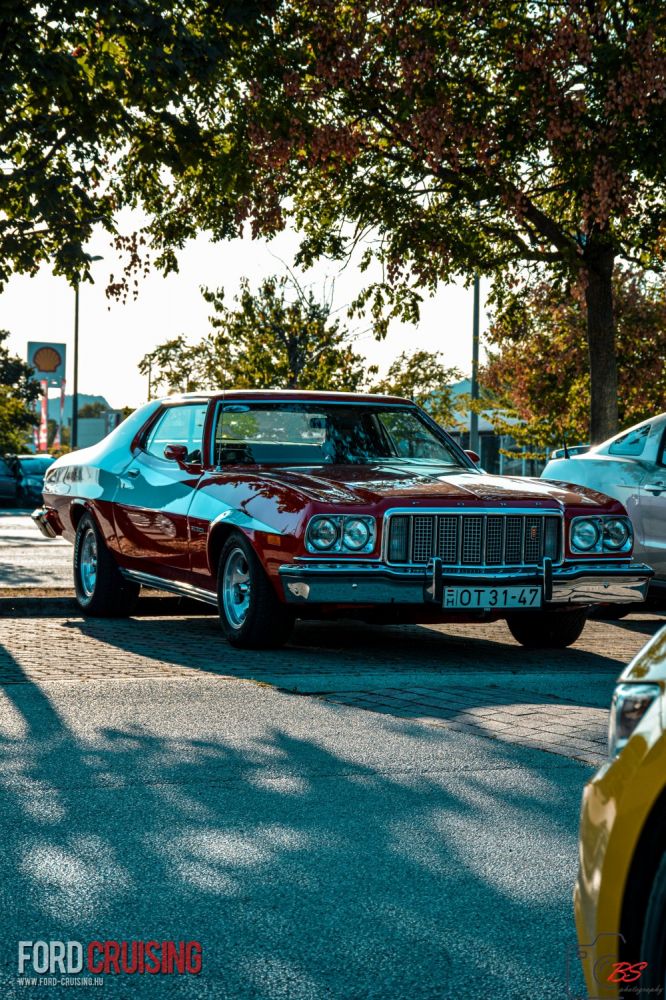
<point>608,973</point>
<point>75,963</point>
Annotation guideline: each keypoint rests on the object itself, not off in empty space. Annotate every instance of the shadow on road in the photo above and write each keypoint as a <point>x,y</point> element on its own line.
<point>347,647</point>
<point>185,634</point>
<point>303,870</point>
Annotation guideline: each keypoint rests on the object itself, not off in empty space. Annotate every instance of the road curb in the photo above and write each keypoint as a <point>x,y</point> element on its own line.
<point>61,603</point>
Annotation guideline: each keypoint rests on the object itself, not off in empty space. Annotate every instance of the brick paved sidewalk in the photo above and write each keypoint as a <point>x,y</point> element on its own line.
<point>467,677</point>
<point>534,720</point>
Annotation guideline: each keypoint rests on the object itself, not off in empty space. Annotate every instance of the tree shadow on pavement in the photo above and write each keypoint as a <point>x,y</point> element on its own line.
<point>345,647</point>
<point>383,863</point>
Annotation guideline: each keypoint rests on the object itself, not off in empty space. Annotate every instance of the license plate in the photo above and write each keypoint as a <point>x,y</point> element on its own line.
<point>492,597</point>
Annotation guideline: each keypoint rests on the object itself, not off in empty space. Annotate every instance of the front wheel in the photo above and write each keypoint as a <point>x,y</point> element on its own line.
<point>547,629</point>
<point>101,589</point>
<point>251,615</point>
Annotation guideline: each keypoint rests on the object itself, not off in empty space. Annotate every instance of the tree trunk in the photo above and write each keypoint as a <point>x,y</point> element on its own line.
<point>601,346</point>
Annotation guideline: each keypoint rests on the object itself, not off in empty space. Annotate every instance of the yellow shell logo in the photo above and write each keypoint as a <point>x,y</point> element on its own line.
<point>46,359</point>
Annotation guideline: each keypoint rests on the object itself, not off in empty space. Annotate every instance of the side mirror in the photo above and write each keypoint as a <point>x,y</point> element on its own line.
<point>473,455</point>
<point>176,453</point>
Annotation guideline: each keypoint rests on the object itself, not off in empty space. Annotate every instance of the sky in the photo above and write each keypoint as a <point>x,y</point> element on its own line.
<point>113,337</point>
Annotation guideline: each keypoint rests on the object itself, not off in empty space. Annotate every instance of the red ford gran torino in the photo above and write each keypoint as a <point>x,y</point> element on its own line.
<point>279,505</point>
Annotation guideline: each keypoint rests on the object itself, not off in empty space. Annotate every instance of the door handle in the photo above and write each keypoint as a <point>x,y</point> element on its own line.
<point>655,487</point>
<point>124,481</point>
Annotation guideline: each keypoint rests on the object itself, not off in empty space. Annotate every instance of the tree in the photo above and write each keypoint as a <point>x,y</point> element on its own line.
<point>266,341</point>
<point>86,85</point>
<point>468,135</point>
<point>92,410</point>
<point>18,394</point>
<point>422,377</point>
<point>537,370</point>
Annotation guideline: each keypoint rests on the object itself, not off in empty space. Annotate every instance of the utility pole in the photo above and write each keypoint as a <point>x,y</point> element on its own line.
<point>474,416</point>
<point>75,388</point>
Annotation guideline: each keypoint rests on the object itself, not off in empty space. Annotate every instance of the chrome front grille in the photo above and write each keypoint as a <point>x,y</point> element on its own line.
<point>466,539</point>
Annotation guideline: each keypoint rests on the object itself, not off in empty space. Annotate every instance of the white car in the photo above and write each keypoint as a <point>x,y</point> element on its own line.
<point>631,467</point>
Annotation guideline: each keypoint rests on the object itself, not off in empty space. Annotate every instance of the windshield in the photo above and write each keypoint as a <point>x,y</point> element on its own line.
<point>328,434</point>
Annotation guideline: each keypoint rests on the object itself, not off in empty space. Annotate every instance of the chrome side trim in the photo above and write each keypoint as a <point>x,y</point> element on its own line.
<point>172,586</point>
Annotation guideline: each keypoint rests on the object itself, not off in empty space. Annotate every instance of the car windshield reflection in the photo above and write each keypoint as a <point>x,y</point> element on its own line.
<point>300,434</point>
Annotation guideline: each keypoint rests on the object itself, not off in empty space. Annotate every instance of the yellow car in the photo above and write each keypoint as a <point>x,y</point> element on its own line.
<point>620,895</point>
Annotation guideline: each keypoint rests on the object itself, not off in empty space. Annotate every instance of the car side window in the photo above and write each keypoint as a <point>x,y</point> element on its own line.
<point>632,443</point>
<point>179,425</point>
<point>661,453</point>
<point>410,439</point>
<point>4,468</point>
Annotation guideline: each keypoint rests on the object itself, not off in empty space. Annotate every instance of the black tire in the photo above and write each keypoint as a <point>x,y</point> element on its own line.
<point>653,943</point>
<point>251,615</point>
<point>103,591</point>
<point>547,629</point>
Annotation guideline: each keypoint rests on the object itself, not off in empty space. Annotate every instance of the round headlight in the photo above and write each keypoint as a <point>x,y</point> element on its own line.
<point>616,534</point>
<point>323,534</point>
<point>355,534</point>
<point>584,535</point>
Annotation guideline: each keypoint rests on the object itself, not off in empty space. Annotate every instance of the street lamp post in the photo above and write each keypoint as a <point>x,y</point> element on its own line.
<point>75,389</point>
<point>474,416</point>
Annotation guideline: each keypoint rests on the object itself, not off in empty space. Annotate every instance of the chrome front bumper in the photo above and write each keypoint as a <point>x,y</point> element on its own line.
<point>376,583</point>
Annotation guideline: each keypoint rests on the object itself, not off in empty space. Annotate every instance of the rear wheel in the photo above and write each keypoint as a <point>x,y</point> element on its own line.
<point>101,589</point>
<point>251,615</point>
<point>547,629</point>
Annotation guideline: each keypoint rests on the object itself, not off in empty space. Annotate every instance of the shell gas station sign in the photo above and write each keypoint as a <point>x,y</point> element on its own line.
<point>48,361</point>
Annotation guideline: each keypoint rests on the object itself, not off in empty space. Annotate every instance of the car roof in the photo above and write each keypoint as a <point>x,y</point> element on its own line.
<point>295,395</point>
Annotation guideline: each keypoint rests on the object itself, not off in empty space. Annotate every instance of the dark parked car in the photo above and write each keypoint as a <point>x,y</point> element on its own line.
<point>31,470</point>
<point>8,481</point>
<point>22,478</point>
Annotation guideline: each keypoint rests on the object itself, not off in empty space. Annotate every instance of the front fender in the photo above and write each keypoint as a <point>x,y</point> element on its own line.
<point>272,547</point>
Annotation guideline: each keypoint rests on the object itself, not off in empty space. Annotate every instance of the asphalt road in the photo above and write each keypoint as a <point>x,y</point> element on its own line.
<point>314,850</point>
<point>27,559</point>
<point>369,813</point>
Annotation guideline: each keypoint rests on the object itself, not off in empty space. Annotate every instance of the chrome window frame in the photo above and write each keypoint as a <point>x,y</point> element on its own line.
<point>466,465</point>
<point>159,417</point>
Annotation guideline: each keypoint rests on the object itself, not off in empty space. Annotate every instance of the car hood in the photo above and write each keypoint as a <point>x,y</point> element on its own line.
<point>373,483</point>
